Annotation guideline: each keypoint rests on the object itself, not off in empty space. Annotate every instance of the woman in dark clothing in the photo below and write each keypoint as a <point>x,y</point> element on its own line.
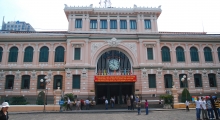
<point>4,111</point>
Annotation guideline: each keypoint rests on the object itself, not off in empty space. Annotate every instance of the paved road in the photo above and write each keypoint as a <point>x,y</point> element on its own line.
<point>153,115</point>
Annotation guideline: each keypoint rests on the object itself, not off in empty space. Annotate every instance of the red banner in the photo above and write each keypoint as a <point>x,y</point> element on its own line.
<point>115,78</point>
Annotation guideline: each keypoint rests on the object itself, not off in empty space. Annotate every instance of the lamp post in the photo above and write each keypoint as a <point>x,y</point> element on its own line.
<point>184,79</point>
<point>45,82</point>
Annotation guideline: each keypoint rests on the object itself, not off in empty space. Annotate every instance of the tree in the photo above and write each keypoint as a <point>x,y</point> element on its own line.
<point>40,98</point>
<point>168,99</point>
<point>185,95</point>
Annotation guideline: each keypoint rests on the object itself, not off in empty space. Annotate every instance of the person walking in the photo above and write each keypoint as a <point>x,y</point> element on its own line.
<point>132,102</point>
<point>217,102</point>
<point>129,103</point>
<point>87,104</point>
<point>106,104</point>
<point>138,105</point>
<point>68,105</point>
<point>112,102</point>
<point>78,104</point>
<point>146,106</point>
<point>187,105</point>
<point>213,106</point>
<point>4,111</point>
<point>198,108</point>
<point>82,104</point>
<point>203,107</point>
<point>209,108</point>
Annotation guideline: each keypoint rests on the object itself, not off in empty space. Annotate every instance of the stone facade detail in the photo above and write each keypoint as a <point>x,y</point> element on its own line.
<point>132,47</point>
<point>113,42</point>
<point>95,46</point>
<point>84,73</point>
<point>144,73</point>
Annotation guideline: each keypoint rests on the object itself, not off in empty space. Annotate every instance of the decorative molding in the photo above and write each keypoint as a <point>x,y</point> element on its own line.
<point>175,73</point>
<point>17,75</point>
<point>132,47</point>
<point>144,73</point>
<point>77,45</point>
<point>218,73</point>
<point>68,73</point>
<point>190,73</point>
<point>50,73</point>
<point>84,73</point>
<point>149,45</point>
<point>33,74</point>
<point>95,47</point>
<point>113,42</point>
<point>2,76</point>
<point>159,72</point>
<point>204,73</point>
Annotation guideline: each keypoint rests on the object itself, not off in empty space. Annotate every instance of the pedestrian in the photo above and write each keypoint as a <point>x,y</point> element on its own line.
<point>87,104</point>
<point>82,104</point>
<point>138,105</point>
<point>4,111</point>
<point>78,104</point>
<point>106,104</point>
<point>198,108</point>
<point>209,108</point>
<point>129,103</point>
<point>146,106</point>
<point>187,105</point>
<point>217,102</point>
<point>112,102</point>
<point>68,105</point>
<point>203,107</point>
<point>132,102</point>
<point>213,106</point>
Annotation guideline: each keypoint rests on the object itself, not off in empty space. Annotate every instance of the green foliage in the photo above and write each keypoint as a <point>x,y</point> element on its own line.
<point>168,99</point>
<point>18,100</point>
<point>70,96</point>
<point>40,98</point>
<point>186,95</point>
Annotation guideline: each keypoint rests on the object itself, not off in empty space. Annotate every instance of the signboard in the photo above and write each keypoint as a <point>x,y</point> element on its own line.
<point>115,78</point>
<point>61,102</point>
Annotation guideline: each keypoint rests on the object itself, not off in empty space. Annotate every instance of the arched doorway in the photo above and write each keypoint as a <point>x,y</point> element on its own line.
<point>116,78</point>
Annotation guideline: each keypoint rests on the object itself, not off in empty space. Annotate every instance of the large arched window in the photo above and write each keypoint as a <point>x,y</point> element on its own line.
<point>219,53</point>
<point>13,54</point>
<point>194,54</point>
<point>180,54</point>
<point>59,54</point>
<point>165,54</point>
<point>1,52</point>
<point>44,52</point>
<point>208,54</point>
<point>28,54</point>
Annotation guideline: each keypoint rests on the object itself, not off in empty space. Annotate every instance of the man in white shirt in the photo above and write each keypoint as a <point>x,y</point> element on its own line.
<point>87,104</point>
<point>198,108</point>
<point>204,109</point>
<point>187,105</point>
<point>106,104</point>
<point>68,104</point>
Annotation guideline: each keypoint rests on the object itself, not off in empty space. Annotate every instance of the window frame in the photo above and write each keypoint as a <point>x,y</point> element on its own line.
<point>211,75</point>
<point>147,24</point>
<point>78,85</point>
<point>167,51</point>
<point>25,78</point>
<point>148,55</point>
<point>8,79</point>
<point>39,83</point>
<point>93,24</point>
<point>113,24</point>
<point>59,54</point>
<point>43,54</point>
<point>208,57</point>
<point>180,54</point>
<point>152,79</point>
<point>28,54</point>
<point>123,24</point>
<point>167,79</point>
<point>133,24</point>
<point>55,82</point>
<point>75,57</point>
<point>1,53</point>
<point>198,76</point>
<point>13,55</point>
<point>78,23</point>
<point>102,22</point>
<point>194,54</point>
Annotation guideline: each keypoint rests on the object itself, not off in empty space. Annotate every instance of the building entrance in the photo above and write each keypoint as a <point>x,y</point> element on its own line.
<point>117,90</point>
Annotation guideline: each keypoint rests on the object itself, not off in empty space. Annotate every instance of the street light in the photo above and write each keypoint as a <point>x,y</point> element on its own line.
<point>183,79</point>
<point>45,82</point>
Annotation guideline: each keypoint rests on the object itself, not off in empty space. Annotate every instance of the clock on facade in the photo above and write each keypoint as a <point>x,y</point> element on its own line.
<point>113,64</point>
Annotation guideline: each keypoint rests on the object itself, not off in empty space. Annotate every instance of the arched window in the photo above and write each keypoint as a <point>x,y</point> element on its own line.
<point>1,52</point>
<point>219,53</point>
<point>208,54</point>
<point>44,52</point>
<point>28,54</point>
<point>168,81</point>
<point>59,54</point>
<point>13,54</point>
<point>180,54</point>
<point>194,54</point>
<point>165,54</point>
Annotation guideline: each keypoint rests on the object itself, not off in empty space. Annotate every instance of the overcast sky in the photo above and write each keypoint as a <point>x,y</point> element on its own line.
<point>176,16</point>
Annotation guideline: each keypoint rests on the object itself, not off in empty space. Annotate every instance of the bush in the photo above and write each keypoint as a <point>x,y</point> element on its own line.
<point>40,98</point>
<point>18,100</point>
<point>185,95</point>
<point>168,99</point>
<point>66,96</point>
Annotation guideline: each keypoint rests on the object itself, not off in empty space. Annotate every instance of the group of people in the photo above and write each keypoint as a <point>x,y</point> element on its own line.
<point>208,105</point>
<point>79,104</point>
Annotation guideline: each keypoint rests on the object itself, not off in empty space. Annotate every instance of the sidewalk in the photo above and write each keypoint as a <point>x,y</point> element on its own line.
<point>93,111</point>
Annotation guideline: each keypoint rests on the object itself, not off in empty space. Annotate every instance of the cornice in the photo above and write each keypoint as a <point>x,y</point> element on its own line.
<point>190,37</point>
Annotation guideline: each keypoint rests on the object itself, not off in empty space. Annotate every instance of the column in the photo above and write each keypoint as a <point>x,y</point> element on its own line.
<point>83,23</point>
<point>68,55</point>
<point>5,55</point>
<point>215,55</point>
<point>51,55</point>
<point>173,55</point>
<point>73,24</point>
<point>128,25</point>
<point>187,54</point>
<point>138,23</point>
<point>36,55</point>
<point>20,55</point>
<point>98,24</point>
<point>159,59</point>
<point>86,52</point>
<point>155,24</point>
<point>201,55</point>
<point>70,24</point>
<point>118,25</point>
<point>108,25</point>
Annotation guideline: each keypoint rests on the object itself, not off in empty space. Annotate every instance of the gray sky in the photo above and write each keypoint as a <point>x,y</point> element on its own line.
<point>176,16</point>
